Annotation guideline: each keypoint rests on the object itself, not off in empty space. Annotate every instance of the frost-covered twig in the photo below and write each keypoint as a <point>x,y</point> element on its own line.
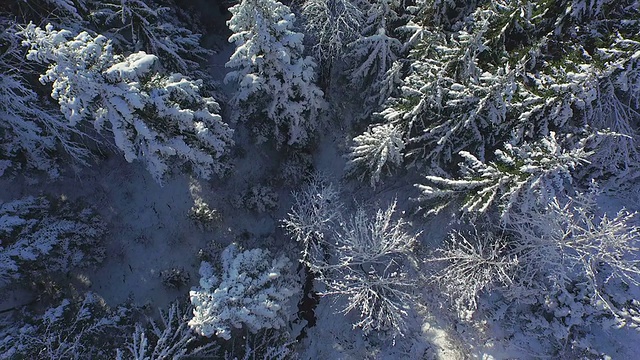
<point>473,263</point>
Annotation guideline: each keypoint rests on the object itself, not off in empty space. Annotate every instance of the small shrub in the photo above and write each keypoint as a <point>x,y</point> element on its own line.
<point>203,215</point>
<point>261,198</point>
<point>175,278</point>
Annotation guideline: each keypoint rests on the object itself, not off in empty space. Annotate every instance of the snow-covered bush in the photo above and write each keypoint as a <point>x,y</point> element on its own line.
<point>163,121</point>
<point>175,277</point>
<point>375,151</point>
<point>170,339</point>
<point>203,215</point>
<point>521,177</point>
<point>252,290</point>
<point>275,80</point>
<point>39,237</point>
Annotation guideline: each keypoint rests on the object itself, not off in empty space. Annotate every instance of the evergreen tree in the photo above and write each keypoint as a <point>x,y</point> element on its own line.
<point>520,179</point>
<point>163,121</point>
<point>74,329</point>
<point>274,79</point>
<point>31,132</point>
<point>252,290</point>
<point>507,72</point>
<point>152,27</point>
<point>373,56</point>
<point>332,25</point>
<point>375,151</point>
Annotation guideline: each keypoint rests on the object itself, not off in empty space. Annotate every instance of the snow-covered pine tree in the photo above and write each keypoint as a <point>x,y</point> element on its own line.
<point>30,132</point>
<point>274,79</point>
<point>21,135</point>
<point>614,114</point>
<point>75,329</point>
<point>507,71</point>
<point>252,291</point>
<point>448,15</point>
<point>41,237</point>
<point>331,25</point>
<point>375,151</point>
<point>373,70</point>
<point>69,7</point>
<point>448,102</point>
<point>70,13</point>
<point>163,121</point>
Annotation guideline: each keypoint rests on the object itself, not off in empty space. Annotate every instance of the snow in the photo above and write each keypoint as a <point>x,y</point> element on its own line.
<point>136,65</point>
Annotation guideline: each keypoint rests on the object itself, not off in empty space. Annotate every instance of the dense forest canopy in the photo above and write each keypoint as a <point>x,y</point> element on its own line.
<point>244,179</point>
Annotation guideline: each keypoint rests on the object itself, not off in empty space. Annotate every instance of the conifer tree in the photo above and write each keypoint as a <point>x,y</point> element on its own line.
<point>40,237</point>
<point>161,120</point>
<point>508,74</point>
<point>274,79</point>
<point>331,26</point>
<point>373,56</point>
<point>252,290</point>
